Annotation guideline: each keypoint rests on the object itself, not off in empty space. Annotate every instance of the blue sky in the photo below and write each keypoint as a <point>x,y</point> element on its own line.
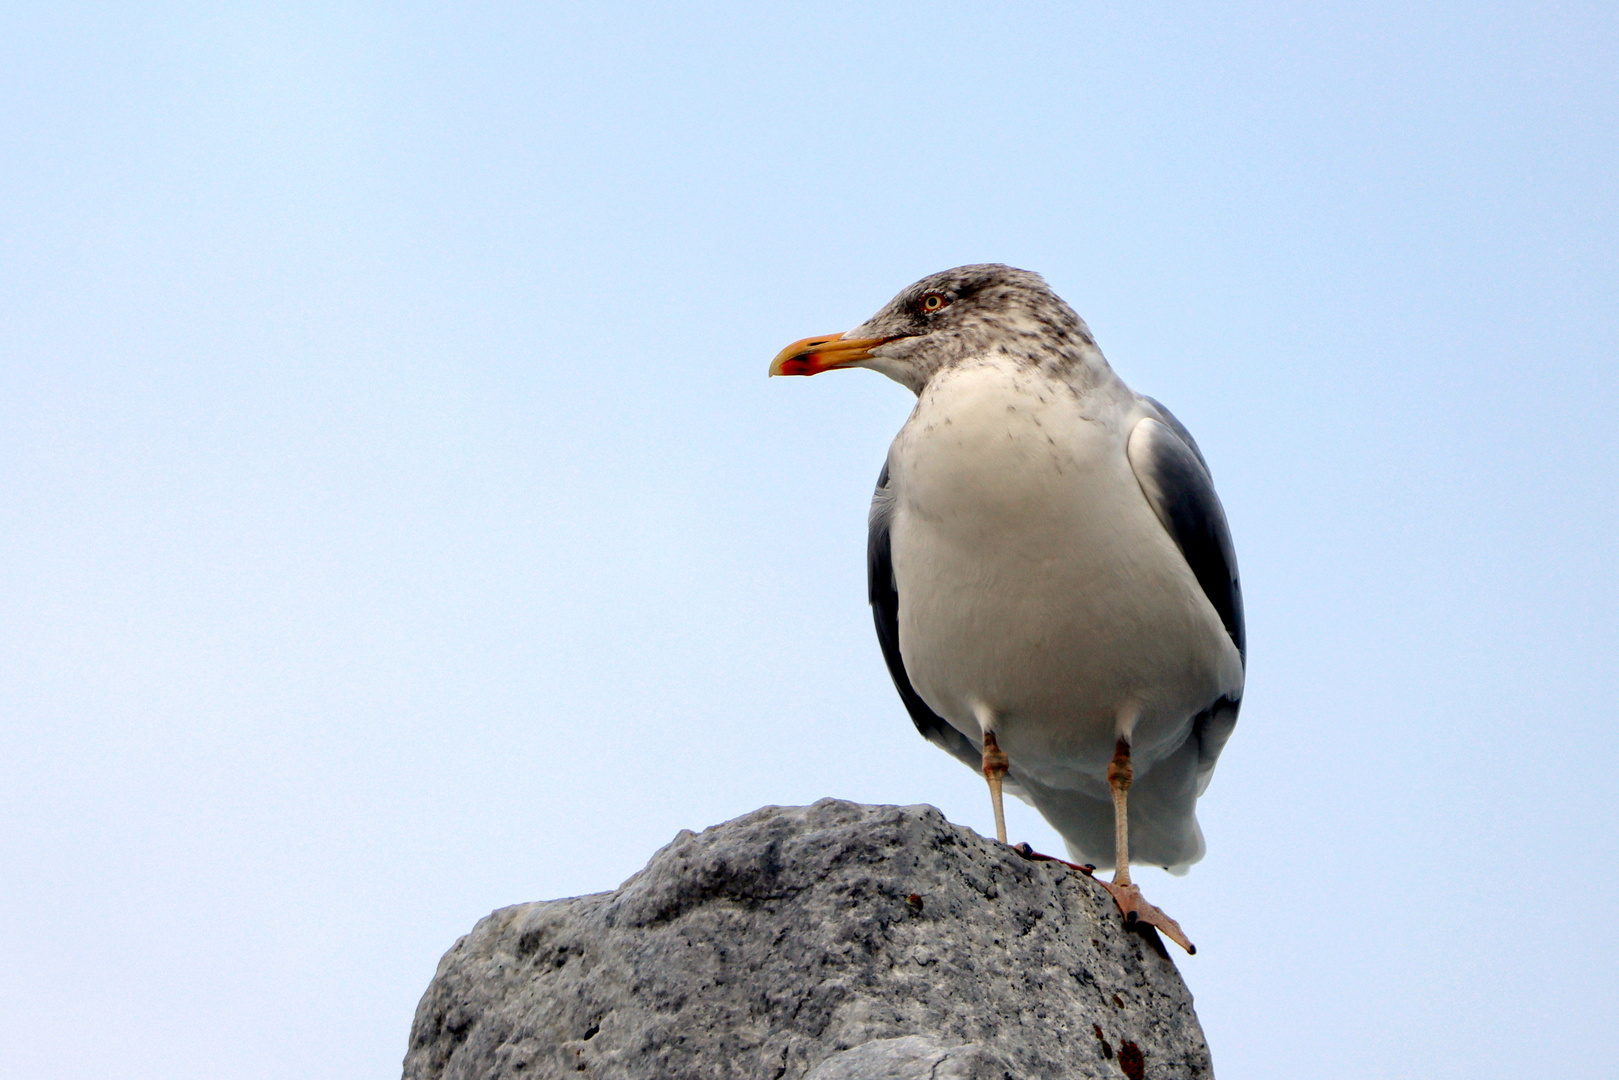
<point>398,523</point>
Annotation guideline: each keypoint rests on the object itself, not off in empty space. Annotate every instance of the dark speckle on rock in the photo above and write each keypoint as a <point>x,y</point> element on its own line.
<point>1132,1061</point>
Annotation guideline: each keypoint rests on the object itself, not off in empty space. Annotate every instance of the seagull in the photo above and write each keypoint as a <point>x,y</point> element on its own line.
<point>1050,571</point>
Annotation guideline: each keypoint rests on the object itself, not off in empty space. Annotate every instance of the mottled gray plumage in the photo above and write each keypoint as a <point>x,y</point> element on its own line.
<point>988,308</point>
<point>1048,559</point>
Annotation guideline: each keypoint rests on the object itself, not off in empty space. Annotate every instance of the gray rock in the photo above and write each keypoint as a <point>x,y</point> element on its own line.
<point>914,1057</point>
<point>828,942</point>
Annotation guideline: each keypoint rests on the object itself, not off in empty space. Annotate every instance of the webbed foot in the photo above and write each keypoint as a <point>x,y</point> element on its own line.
<point>1135,909</point>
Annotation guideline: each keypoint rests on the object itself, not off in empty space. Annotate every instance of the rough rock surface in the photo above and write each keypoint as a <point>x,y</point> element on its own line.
<point>912,1057</point>
<point>828,942</point>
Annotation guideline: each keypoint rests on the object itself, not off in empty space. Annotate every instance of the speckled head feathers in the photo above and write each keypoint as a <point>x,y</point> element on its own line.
<point>975,311</point>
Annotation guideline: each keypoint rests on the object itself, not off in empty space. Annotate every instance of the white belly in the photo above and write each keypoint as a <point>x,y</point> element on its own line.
<point>1037,587</point>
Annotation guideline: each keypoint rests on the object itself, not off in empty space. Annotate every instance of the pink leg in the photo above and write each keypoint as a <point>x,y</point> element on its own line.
<point>1131,903</point>
<point>995,765</point>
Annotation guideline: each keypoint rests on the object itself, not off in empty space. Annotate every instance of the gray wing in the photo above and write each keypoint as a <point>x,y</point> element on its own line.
<point>884,597</point>
<point>1172,474</point>
<point>1175,479</point>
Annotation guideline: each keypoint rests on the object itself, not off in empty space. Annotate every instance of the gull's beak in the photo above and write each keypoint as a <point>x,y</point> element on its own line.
<point>813,355</point>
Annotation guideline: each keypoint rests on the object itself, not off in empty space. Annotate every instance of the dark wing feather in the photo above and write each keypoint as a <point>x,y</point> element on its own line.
<point>1174,477</point>
<point>885,612</point>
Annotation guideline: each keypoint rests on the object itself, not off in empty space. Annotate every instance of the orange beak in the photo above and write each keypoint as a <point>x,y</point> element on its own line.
<point>813,355</point>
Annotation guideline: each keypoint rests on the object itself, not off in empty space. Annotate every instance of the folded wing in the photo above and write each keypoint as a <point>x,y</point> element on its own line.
<point>1175,479</point>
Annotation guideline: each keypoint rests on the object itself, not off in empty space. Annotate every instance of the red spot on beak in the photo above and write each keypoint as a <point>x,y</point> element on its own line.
<point>808,364</point>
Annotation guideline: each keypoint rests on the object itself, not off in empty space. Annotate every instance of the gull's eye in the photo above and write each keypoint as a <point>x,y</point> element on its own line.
<point>932,302</point>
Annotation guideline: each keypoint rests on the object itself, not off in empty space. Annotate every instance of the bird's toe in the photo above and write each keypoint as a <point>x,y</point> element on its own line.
<point>1135,909</point>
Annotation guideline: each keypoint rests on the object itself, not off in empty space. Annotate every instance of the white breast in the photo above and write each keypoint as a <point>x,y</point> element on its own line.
<point>1037,588</point>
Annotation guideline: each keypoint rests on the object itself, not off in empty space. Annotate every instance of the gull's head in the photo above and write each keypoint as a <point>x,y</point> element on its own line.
<point>951,316</point>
